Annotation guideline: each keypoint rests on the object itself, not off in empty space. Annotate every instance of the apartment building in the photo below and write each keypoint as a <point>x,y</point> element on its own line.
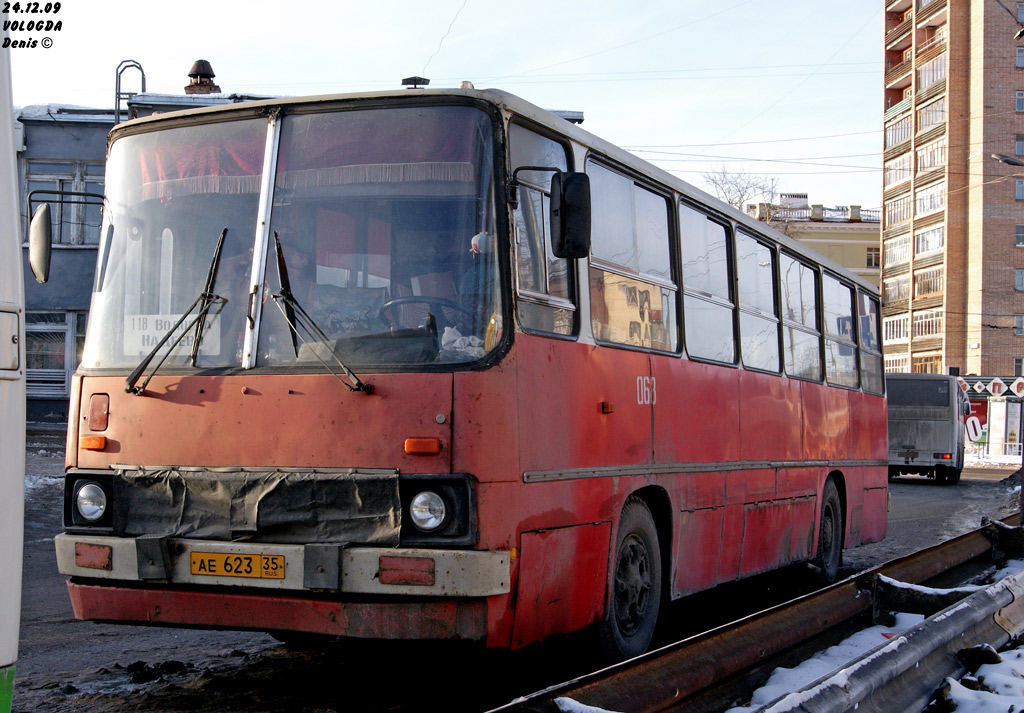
<point>953,216</point>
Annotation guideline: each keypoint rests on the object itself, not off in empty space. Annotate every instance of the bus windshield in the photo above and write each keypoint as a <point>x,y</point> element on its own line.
<point>381,228</point>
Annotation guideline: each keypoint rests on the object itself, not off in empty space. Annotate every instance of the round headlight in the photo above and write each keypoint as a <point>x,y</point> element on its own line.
<point>427,511</point>
<point>91,502</point>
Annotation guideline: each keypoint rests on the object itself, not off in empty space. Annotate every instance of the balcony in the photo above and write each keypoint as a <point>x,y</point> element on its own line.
<point>898,108</point>
<point>899,37</point>
<point>899,75</point>
<point>931,12</point>
<point>897,5</point>
<point>931,49</point>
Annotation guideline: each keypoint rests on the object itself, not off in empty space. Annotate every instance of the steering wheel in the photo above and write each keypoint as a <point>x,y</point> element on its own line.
<point>385,312</point>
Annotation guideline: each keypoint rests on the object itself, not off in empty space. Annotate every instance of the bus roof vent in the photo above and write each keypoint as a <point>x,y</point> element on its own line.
<point>415,82</point>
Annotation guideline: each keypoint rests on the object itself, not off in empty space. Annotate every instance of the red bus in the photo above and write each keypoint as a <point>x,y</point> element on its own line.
<point>437,364</point>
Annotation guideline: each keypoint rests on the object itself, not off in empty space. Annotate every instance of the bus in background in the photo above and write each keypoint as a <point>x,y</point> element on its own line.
<point>927,426</point>
<point>437,364</point>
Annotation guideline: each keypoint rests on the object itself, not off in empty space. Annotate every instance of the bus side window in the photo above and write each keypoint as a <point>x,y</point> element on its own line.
<point>801,344</point>
<point>759,319</point>
<point>544,282</point>
<point>840,349</point>
<point>632,292</point>
<point>707,292</point>
<point>870,344</point>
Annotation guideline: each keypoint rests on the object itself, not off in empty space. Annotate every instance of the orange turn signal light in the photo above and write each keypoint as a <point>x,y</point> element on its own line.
<point>422,446</point>
<point>92,443</point>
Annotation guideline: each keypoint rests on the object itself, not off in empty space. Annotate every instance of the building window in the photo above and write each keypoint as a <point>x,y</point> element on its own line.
<point>1018,326</point>
<point>1020,12</point>
<point>898,131</point>
<point>929,240</point>
<point>874,258</point>
<point>898,210</point>
<point>73,221</point>
<point>896,329</point>
<point>1018,367</point>
<point>1020,236</point>
<point>1018,283</point>
<point>930,199</point>
<point>53,348</point>
<point>927,364</point>
<point>896,289</point>
<point>931,114</point>
<point>927,323</point>
<point>1020,189</point>
<point>928,282</point>
<point>931,73</point>
<point>897,171</point>
<point>897,363</point>
<point>1020,57</point>
<point>931,156</point>
<point>1020,101</point>
<point>897,251</point>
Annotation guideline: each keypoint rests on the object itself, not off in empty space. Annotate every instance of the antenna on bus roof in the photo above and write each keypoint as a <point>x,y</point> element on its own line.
<point>415,82</point>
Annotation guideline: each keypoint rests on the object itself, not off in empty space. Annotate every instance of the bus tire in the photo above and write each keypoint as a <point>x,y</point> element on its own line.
<point>830,534</point>
<point>635,589</point>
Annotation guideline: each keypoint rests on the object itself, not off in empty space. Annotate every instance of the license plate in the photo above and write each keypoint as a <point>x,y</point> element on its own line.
<point>220,564</point>
<point>907,454</point>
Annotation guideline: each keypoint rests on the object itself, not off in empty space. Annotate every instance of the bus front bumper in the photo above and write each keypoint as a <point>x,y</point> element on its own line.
<point>357,592</point>
<point>417,572</point>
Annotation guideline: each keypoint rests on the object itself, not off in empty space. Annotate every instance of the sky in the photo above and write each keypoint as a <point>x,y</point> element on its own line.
<point>785,89</point>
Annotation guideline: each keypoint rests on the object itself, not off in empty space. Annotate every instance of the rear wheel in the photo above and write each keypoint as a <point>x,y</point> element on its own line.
<point>830,533</point>
<point>635,597</point>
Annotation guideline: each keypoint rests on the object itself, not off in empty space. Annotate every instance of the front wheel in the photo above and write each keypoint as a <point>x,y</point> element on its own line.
<point>635,596</point>
<point>830,534</point>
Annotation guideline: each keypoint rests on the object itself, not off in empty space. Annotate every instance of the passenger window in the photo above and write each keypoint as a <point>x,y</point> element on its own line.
<point>801,341</point>
<point>632,292</point>
<point>759,322</point>
<point>707,295</point>
<point>840,349</point>
<point>870,345</point>
<point>545,282</point>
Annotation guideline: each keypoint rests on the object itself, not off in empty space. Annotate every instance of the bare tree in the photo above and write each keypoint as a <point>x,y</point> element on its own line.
<point>742,189</point>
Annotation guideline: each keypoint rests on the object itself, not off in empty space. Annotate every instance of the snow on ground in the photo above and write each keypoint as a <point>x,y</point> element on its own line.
<point>1006,678</point>
<point>1002,687</point>
<point>972,460</point>
<point>44,460</point>
<point>786,680</point>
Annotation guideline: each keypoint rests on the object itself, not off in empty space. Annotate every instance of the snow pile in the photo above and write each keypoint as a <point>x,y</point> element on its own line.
<point>1001,684</point>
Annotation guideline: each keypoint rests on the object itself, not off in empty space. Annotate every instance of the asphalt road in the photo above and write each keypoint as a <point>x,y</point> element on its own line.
<point>66,665</point>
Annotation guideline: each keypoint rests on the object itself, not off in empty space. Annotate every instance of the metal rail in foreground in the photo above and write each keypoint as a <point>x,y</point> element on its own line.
<point>706,672</point>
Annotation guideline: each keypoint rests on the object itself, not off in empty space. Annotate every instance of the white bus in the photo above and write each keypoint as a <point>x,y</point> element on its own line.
<point>927,425</point>
<point>12,396</point>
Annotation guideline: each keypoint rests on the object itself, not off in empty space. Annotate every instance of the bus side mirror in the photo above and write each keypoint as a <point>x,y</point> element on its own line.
<point>39,240</point>
<point>570,215</point>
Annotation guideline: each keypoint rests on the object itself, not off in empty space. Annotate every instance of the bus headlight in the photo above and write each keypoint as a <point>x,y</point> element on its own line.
<point>91,502</point>
<point>427,510</point>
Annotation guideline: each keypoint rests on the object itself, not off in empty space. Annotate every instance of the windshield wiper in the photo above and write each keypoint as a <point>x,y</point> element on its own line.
<point>207,299</point>
<point>296,316</point>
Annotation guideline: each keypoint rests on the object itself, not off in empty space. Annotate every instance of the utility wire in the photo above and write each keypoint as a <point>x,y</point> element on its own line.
<point>451,24</point>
